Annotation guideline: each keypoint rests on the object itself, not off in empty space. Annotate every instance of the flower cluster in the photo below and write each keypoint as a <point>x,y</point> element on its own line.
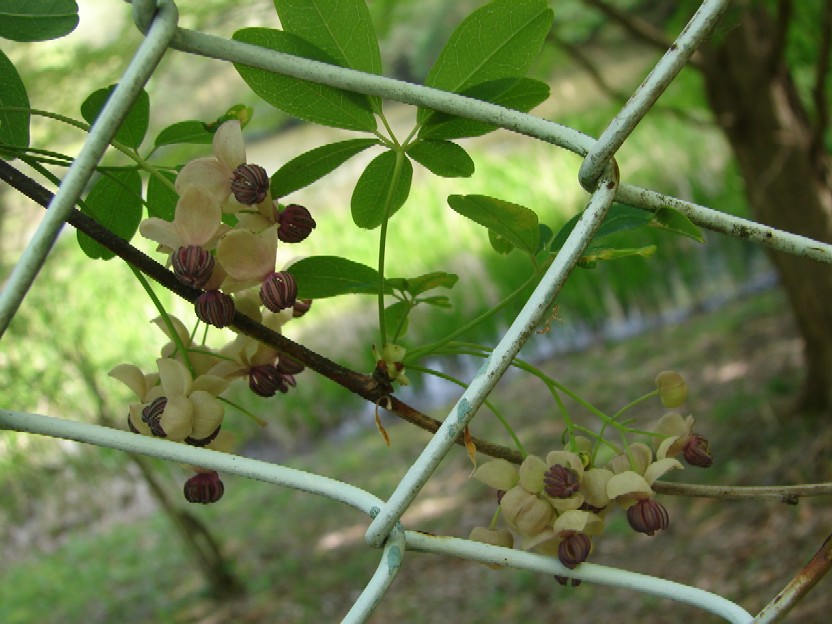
<point>181,401</point>
<point>559,504</point>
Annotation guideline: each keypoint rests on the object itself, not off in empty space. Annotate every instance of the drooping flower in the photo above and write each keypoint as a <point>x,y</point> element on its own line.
<point>196,221</point>
<point>681,439</point>
<point>215,174</point>
<point>247,258</point>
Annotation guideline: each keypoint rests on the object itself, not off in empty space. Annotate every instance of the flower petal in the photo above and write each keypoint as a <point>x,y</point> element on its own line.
<point>626,483</point>
<point>197,216</point>
<point>132,377</point>
<point>213,384</point>
<point>208,414</point>
<point>229,147</point>
<point>176,379</point>
<point>497,473</point>
<point>658,468</point>
<point>161,231</point>
<point>247,256</point>
<point>178,418</point>
<point>207,173</point>
<point>531,473</point>
<point>581,521</point>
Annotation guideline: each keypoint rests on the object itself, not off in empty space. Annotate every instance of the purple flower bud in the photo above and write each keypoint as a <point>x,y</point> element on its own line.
<point>560,481</point>
<point>215,308</point>
<point>279,291</point>
<point>648,516</point>
<point>265,380</point>
<point>193,265</point>
<point>204,487</point>
<point>250,184</point>
<point>295,223</point>
<point>152,414</point>
<point>289,366</point>
<point>697,452</point>
<point>301,307</point>
<point>574,549</point>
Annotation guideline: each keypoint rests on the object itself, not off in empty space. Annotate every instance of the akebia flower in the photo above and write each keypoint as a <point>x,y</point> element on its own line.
<point>246,257</point>
<point>196,222</point>
<point>204,487</point>
<point>673,391</point>
<point>279,291</point>
<point>216,174</point>
<point>295,223</point>
<point>679,438</point>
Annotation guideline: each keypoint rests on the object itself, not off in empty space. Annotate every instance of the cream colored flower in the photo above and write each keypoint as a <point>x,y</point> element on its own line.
<point>214,174</point>
<point>248,258</point>
<point>196,221</point>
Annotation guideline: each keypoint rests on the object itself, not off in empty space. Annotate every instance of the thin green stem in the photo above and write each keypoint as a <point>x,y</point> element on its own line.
<point>174,335</point>
<point>248,413</point>
<point>382,245</point>
<point>127,151</point>
<point>496,412</point>
<point>432,348</point>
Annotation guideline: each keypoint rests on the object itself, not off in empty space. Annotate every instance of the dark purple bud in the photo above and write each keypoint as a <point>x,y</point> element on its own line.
<point>266,380</point>
<point>697,452</point>
<point>203,441</point>
<point>574,549</point>
<point>152,414</point>
<point>215,308</point>
<point>301,307</point>
<point>289,366</point>
<point>250,184</point>
<point>192,265</point>
<point>279,291</point>
<point>204,487</point>
<point>560,481</point>
<point>295,223</point>
<point>648,516</point>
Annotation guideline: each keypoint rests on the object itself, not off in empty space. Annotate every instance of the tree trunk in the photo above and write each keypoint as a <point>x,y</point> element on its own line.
<point>786,173</point>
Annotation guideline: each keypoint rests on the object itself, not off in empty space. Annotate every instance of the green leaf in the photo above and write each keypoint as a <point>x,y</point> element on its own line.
<point>499,40</point>
<point>341,28</point>
<point>133,128</point>
<point>315,164</point>
<point>37,20</point>
<point>161,199</point>
<point>395,318</point>
<point>14,127</point>
<point>319,277</point>
<point>620,218</point>
<point>499,244</point>
<point>674,221</point>
<point>417,285</point>
<point>300,98</point>
<point>516,223</point>
<point>598,254</point>
<point>443,158</point>
<point>379,189</point>
<point>191,131</point>
<point>517,94</point>
<point>440,301</point>
<point>114,201</point>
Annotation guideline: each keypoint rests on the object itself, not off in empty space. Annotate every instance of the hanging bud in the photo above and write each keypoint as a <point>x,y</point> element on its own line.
<point>697,452</point>
<point>250,184</point>
<point>265,380</point>
<point>295,223</point>
<point>204,487</point>
<point>673,391</point>
<point>301,307</point>
<point>215,308</point>
<point>648,516</point>
<point>289,366</point>
<point>560,481</point>
<point>279,291</point>
<point>152,414</point>
<point>192,265</point>
<point>574,548</point>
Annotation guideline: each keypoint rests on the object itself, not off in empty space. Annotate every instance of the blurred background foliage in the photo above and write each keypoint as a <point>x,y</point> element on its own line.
<point>84,316</point>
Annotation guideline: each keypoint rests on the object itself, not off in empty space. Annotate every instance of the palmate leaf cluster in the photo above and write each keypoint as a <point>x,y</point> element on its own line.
<point>486,58</point>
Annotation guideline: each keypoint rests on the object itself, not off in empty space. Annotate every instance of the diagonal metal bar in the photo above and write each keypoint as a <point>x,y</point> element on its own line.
<point>529,318</point>
<point>697,29</point>
<point>138,72</point>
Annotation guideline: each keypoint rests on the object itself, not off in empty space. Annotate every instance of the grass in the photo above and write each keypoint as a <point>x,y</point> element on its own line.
<point>302,558</point>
